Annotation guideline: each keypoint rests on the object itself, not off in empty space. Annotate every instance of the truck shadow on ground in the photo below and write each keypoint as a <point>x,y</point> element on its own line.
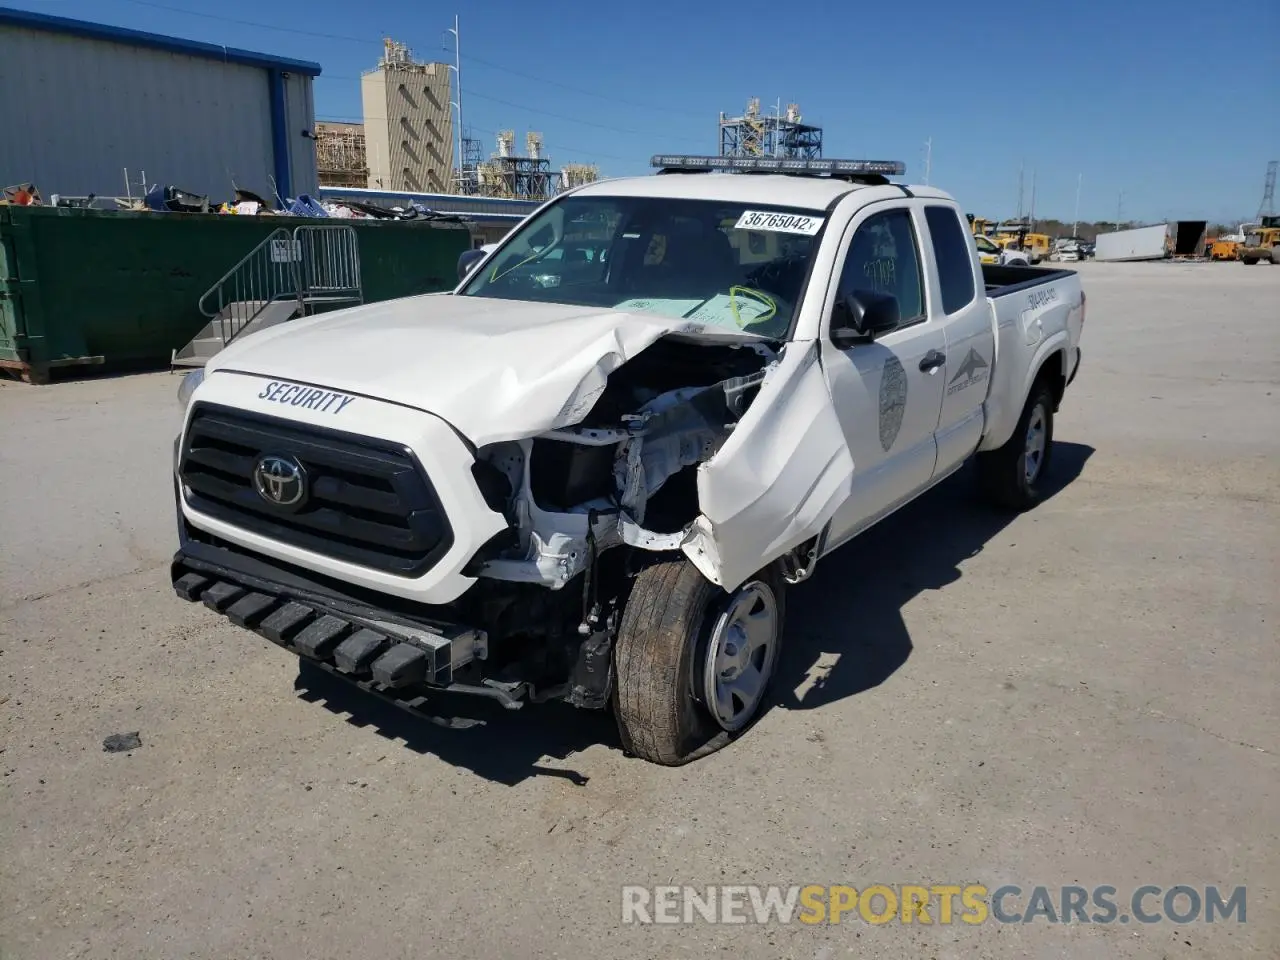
<point>851,611</point>
<point>845,633</point>
<point>505,746</point>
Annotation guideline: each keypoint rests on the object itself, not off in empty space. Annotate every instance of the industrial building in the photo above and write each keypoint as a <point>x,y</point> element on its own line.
<point>84,102</point>
<point>341,154</point>
<point>780,134</point>
<point>408,123</point>
<point>343,149</point>
<point>406,143</point>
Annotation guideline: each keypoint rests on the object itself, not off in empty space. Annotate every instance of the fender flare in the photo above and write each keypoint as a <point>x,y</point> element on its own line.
<point>1059,342</point>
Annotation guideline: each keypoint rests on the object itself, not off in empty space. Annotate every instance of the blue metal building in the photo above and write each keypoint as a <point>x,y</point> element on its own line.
<point>85,101</point>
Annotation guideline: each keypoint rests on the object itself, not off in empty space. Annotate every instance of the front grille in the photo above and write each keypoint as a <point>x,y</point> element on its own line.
<point>367,502</point>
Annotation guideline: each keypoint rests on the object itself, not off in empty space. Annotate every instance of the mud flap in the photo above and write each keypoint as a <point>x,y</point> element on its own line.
<point>778,479</point>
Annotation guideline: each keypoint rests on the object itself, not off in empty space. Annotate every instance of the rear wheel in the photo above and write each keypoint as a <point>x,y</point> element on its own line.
<point>1248,261</point>
<point>694,663</point>
<point>1012,476</point>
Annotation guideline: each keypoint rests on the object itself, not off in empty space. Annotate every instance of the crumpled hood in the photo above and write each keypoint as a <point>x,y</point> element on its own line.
<point>494,369</point>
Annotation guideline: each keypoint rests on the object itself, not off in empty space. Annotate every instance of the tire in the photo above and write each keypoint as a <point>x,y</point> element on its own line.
<point>1248,261</point>
<point>1003,474</point>
<point>669,626</point>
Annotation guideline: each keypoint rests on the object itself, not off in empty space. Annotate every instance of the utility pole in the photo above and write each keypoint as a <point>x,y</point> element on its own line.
<point>1032,215</point>
<point>457,72</point>
<point>1075,226</point>
<point>928,159</point>
<point>777,128</point>
<point>1021,170</point>
<point>1120,210</point>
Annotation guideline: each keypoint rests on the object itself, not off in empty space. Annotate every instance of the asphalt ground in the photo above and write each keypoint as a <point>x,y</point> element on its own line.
<point>1083,695</point>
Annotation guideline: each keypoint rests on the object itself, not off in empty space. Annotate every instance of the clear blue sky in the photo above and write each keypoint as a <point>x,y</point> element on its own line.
<point>1174,103</point>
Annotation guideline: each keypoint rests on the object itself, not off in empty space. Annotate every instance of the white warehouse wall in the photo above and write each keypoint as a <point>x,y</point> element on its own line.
<point>81,110</point>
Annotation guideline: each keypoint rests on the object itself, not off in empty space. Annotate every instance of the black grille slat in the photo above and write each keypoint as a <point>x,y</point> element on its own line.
<point>223,461</point>
<point>368,502</point>
<point>308,445</point>
<point>338,491</point>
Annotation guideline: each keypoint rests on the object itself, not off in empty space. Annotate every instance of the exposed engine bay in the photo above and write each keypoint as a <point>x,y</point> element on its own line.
<point>626,473</point>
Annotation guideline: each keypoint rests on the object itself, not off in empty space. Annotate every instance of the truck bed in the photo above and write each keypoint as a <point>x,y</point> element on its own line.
<point>1037,312</point>
<point>1001,281</point>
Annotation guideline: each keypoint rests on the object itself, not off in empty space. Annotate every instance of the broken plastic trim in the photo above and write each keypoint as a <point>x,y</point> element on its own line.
<point>634,535</point>
<point>677,429</point>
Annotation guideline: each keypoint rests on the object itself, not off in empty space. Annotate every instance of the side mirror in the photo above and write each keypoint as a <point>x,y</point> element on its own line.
<point>863,315</point>
<point>468,260</point>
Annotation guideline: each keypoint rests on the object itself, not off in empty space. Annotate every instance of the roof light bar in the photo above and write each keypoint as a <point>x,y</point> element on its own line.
<point>888,168</point>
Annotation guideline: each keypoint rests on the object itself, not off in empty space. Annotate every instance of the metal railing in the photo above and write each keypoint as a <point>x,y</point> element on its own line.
<point>330,264</point>
<point>308,265</point>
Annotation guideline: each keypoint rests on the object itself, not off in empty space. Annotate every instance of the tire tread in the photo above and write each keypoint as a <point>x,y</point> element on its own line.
<point>651,655</point>
<point>1000,476</point>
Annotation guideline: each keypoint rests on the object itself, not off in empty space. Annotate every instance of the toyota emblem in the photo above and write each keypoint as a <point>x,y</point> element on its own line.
<point>280,481</point>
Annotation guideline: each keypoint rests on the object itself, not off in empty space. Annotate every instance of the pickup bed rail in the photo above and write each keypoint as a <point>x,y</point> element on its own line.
<point>1003,280</point>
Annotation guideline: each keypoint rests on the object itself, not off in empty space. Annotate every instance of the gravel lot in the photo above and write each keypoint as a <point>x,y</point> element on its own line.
<point>1087,694</point>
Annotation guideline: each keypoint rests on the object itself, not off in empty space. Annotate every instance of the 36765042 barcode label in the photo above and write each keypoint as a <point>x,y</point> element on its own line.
<point>779,222</point>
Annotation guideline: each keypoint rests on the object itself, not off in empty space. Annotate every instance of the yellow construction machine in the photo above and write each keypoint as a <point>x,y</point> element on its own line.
<point>1262,242</point>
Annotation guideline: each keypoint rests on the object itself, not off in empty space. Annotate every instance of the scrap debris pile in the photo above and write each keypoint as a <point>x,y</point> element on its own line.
<point>171,199</point>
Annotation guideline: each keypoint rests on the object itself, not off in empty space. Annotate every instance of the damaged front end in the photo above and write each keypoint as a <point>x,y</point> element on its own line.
<point>732,455</point>
<point>668,459</point>
<point>624,474</point>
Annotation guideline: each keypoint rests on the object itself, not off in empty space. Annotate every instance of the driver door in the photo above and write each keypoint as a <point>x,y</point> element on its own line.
<point>887,391</point>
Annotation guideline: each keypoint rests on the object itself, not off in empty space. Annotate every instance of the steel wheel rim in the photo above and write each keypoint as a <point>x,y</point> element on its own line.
<point>1036,441</point>
<point>740,656</point>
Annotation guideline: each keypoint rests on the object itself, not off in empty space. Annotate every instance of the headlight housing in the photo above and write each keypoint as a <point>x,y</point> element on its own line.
<point>188,386</point>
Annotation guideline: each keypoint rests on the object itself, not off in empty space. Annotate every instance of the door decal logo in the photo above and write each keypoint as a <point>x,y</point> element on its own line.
<point>973,370</point>
<point>893,401</point>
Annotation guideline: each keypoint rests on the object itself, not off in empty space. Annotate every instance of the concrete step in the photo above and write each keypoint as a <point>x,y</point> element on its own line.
<point>209,341</point>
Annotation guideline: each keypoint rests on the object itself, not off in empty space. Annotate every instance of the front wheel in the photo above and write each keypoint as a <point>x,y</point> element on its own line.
<point>694,663</point>
<point>1012,476</point>
<point>1248,261</point>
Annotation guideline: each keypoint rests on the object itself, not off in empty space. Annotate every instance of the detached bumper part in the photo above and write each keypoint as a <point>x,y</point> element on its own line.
<point>396,660</point>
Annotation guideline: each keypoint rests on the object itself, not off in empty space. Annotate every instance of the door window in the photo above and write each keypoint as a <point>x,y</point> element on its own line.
<point>883,258</point>
<point>951,254</point>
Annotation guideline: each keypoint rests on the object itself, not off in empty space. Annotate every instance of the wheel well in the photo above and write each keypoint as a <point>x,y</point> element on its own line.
<point>1051,373</point>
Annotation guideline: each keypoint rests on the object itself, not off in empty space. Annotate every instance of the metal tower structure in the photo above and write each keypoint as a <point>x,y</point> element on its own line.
<point>341,157</point>
<point>770,135</point>
<point>469,176</point>
<point>1268,206</point>
<point>525,177</point>
<point>577,174</point>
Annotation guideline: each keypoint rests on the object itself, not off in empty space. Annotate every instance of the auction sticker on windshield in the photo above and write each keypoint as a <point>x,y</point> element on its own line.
<point>779,222</point>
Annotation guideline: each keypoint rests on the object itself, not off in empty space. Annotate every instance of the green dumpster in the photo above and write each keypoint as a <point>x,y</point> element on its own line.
<point>120,288</point>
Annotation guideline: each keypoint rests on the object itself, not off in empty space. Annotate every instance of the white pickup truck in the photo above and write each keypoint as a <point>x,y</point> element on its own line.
<point>591,471</point>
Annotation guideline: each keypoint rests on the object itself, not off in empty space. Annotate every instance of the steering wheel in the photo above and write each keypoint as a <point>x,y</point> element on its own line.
<point>773,275</point>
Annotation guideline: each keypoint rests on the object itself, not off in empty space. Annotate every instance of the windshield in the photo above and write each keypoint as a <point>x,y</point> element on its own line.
<point>726,264</point>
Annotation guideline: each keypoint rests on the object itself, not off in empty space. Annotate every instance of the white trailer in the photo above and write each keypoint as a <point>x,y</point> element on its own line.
<point>1142,243</point>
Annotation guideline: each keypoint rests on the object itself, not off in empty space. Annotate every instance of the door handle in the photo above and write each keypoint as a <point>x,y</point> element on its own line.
<point>932,360</point>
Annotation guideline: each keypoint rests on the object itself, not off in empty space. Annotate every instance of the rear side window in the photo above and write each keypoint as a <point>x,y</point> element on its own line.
<point>951,253</point>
